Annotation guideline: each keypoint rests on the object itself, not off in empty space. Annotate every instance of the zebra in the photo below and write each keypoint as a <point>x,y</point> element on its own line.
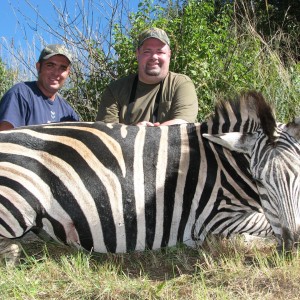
<point>118,188</point>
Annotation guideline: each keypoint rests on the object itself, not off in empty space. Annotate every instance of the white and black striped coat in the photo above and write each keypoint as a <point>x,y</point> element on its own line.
<point>117,188</point>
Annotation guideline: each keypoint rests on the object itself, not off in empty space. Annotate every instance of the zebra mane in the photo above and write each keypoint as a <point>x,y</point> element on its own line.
<point>248,112</point>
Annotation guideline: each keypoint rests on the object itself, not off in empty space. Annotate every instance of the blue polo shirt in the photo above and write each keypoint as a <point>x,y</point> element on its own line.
<point>24,104</point>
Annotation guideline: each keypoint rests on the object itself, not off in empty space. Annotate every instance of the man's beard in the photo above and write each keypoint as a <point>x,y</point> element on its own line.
<point>153,72</point>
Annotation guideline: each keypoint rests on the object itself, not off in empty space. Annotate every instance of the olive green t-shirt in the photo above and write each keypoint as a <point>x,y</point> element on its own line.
<point>178,101</point>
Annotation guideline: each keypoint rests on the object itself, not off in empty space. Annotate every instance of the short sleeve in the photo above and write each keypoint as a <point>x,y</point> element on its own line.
<point>108,110</point>
<point>181,100</point>
<point>13,108</point>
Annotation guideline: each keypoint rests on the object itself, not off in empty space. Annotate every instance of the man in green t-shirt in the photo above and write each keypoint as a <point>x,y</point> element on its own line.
<point>155,96</point>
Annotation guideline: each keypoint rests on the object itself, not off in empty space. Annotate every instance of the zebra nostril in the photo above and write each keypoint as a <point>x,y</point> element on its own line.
<point>296,245</point>
<point>297,239</point>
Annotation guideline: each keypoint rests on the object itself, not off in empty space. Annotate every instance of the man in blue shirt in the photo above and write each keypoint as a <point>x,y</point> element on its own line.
<point>38,102</point>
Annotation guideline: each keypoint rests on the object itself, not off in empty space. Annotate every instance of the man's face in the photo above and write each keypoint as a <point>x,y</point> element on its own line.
<point>52,74</point>
<point>154,60</point>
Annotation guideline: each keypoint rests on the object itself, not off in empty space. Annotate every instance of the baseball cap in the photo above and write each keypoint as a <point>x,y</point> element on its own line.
<point>55,49</point>
<point>156,33</point>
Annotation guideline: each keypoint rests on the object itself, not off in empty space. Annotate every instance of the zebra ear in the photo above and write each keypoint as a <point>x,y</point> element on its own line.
<point>234,141</point>
<point>293,129</point>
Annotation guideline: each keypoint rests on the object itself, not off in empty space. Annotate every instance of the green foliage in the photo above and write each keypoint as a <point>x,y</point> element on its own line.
<point>88,79</point>
<point>222,53</point>
<point>6,78</point>
<point>202,49</point>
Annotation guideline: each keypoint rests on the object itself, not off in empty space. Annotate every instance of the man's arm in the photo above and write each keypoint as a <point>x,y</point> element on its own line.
<point>169,122</point>
<point>108,110</point>
<point>184,103</point>
<point>12,109</point>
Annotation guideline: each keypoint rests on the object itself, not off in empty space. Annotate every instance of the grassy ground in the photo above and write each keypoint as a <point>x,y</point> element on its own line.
<point>221,270</point>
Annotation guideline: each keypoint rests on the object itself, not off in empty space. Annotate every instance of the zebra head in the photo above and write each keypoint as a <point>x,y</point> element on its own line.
<point>274,152</point>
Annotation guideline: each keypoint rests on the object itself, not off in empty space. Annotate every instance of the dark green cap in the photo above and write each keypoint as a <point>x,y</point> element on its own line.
<point>55,49</point>
<point>156,33</point>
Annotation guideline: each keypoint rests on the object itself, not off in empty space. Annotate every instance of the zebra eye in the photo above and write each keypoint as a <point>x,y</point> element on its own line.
<point>257,179</point>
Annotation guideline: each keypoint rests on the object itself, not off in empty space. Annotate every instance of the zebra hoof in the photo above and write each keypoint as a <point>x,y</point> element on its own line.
<point>10,252</point>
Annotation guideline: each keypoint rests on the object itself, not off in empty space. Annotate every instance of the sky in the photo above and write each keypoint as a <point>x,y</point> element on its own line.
<point>23,22</point>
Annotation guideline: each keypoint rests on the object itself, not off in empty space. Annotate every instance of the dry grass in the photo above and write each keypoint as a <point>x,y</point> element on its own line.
<point>220,270</point>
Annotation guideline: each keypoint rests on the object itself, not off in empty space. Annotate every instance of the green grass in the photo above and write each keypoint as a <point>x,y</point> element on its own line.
<point>220,270</point>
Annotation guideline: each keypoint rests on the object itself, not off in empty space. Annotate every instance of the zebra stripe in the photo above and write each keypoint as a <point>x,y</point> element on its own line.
<point>117,188</point>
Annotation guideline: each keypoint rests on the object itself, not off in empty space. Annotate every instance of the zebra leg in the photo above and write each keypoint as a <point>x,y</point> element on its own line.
<point>253,224</point>
<point>10,251</point>
<point>248,223</point>
<point>253,229</point>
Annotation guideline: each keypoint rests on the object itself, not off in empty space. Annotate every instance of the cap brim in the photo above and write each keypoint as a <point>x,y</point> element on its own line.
<point>53,54</point>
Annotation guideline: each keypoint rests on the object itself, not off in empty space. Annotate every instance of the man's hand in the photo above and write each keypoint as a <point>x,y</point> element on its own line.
<point>146,123</point>
<point>170,122</point>
<point>173,122</point>
<point>4,125</point>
